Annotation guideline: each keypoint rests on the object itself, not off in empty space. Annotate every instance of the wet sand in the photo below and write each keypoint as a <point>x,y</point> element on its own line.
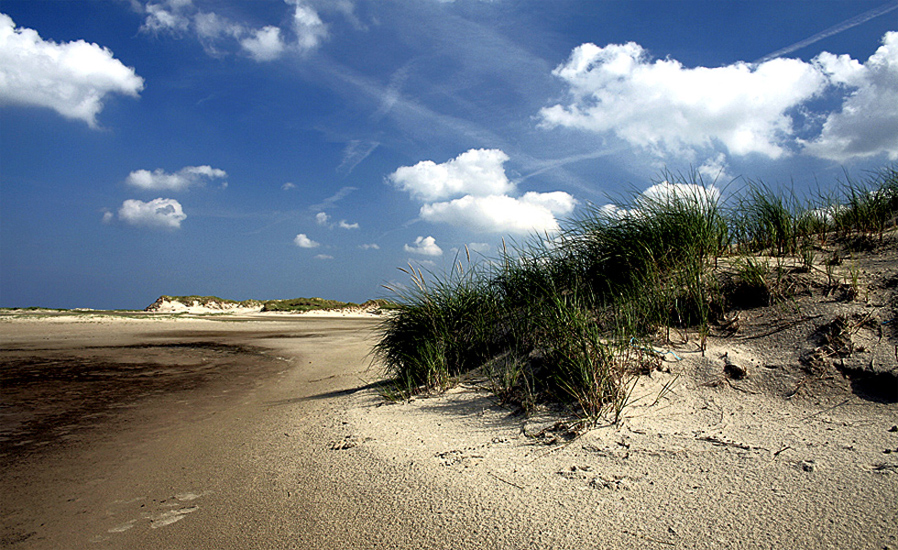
<point>123,433</point>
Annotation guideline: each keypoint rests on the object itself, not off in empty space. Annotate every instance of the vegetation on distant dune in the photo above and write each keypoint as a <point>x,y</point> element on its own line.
<point>565,318</point>
<point>304,304</point>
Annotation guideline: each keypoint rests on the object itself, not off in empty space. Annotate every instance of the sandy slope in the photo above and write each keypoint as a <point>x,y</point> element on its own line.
<point>266,433</point>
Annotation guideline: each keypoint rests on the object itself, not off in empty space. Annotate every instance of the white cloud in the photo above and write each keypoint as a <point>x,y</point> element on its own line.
<point>264,44</point>
<point>371,246</point>
<point>669,192</point>
<point>288,186</point>
<point>108,217</point>
<point>211,26</point>
<point>303,241</point>
<point>747,108</point>
<point>344,225</point>
<point>310,29</point>
<point>476,172</point>
<point>216,32</point>
<point>666,192</point>
<point>426,246</point>
<point>484,202</point>
<point>167,17</point>
<point>714,169</point>
<point>72,78</point>
<point>324,257</point>
<point>481,248</point>
<point>179,181</point>
<point>534,212</point>
<point>867,124</point>
<point>321,218</point>
<point>157,213</point>
<point>665,106</point>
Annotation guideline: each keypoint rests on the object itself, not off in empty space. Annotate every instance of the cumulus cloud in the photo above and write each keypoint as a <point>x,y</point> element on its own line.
<point>310,29</point>
<point>705,197</point>
<point>867,124</point>
<point>303,241</point>
<point>665,192</point>
<point>476,172</point>
<point>264,44</point>
<point>288,186</point>
<point>481,195</point>
<point>370,246</point>
<point>425,246</point>
<point>158,213</point>
<point>501,213</point>
<point>322,218</point>
<point>663,105</point>
<point>345,225</point>
<point>182,179</point>
<point>72,78</point>
<point>216,32</point>
<point>747,108</point>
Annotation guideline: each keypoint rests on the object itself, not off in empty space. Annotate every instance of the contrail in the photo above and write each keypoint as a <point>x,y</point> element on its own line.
<point>835,29</point>
<point>558,163</point>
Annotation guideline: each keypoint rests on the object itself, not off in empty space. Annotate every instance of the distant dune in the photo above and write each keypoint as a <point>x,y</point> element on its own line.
<point>215,305</point>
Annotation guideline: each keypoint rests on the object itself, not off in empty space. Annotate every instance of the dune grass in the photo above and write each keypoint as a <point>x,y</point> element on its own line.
<point>304,304</point>
<point>558,318</point>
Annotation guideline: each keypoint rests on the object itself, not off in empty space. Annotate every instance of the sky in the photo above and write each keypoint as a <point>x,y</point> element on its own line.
<point>273,149</point>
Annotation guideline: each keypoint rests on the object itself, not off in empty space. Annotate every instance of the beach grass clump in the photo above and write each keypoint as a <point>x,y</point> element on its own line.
<point>766,221</point>
<point>441,327</point>
<point>648,263</point>
<point>560,317</point>
<point>869,205</point>
<point>580,364</point>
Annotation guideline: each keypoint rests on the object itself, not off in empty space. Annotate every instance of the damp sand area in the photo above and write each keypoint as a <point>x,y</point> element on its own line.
<point>163,432</point>
<point>244,432</point>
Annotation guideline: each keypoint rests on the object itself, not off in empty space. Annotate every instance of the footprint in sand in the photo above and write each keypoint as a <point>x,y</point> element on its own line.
<point>176,511</point>
<point>172,516</point>
<point>123,527</point>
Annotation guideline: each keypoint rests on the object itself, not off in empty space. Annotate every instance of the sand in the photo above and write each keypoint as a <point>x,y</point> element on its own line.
<point>222,432</point>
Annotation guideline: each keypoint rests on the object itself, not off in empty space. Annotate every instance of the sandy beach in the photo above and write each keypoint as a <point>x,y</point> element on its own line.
<point>269,432</point>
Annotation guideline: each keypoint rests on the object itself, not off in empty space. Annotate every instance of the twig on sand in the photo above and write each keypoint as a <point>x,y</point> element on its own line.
<point>784,449</point>
<point>781,327</point>
<point>506,481</point>
<point>808,417</point>
<point>724,443</point>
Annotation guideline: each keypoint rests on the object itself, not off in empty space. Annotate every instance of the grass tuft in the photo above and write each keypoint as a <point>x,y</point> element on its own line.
<point>555,318</point>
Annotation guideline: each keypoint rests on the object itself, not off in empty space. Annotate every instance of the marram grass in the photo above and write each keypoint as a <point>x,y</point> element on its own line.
<point>555,320</point>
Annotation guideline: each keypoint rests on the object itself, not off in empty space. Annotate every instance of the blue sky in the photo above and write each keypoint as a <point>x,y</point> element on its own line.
<point>275,149</point>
